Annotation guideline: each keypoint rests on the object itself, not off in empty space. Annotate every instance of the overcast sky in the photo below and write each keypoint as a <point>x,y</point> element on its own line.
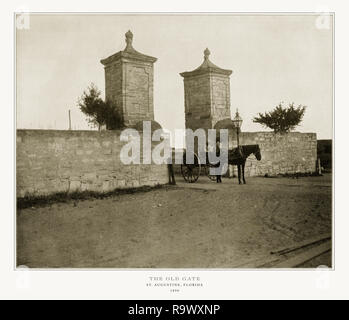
<point>273,58</point>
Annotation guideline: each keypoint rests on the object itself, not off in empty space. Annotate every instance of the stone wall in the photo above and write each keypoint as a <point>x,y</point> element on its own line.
<point>288,153</point>
<point>197,102</point>
<point>129,83</point>
<point>207,100</point>
<point>50,161</point>
<point>130,86</point>
<point>220,98</point>
<point>138,99</point>
<point>207,95</point>
<point>113,85</point>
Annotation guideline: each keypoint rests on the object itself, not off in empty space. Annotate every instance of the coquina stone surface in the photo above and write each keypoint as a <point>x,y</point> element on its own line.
<point>50,161</point>
<point>294,152</point>
<point>207,95</point>
<point>129,77</point>
<point>290,153</point>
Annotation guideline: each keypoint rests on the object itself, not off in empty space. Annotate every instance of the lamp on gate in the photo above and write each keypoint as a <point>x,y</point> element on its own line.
<point>237,124</point>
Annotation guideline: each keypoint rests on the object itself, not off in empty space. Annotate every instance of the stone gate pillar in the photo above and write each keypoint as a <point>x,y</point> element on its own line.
<point>207,95</point>
<point>129,83</point>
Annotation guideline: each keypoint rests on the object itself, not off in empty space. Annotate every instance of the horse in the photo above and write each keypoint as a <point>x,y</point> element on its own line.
<point>238,157</point>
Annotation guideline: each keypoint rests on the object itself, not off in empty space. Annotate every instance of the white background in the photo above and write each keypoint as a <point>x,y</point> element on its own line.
<point>131,284</point>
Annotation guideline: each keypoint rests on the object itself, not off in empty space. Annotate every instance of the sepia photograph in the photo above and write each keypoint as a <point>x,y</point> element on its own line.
<point>174,141</point>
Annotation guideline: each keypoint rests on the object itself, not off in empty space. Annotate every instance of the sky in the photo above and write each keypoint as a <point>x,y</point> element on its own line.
<point>274,58</point>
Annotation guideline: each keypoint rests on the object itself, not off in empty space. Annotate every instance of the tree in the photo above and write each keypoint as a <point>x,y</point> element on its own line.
<point>281,119</point>
<point>99,112</point>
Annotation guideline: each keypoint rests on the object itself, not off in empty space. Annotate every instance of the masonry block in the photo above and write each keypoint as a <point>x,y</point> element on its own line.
<point>207,95</point>
<point>129,83</point>
<point>41,171</point>
<point>285,153</point>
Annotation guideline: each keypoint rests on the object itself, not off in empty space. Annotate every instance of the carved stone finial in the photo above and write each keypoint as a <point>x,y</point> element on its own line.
<point>207,53</point>
<point>129,38</point>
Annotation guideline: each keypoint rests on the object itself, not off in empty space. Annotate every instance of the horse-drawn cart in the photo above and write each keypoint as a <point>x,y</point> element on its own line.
<point>236,156</point>
<point>192,172</point>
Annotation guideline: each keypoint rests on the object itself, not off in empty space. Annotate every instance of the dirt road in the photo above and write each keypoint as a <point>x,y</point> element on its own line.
<point>202,225</point>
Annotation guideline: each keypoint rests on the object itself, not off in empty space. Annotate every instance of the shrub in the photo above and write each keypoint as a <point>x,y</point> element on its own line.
<point>281,119</point>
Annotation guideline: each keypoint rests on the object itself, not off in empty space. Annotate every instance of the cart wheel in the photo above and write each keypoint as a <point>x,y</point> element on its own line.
<point>191,172</point>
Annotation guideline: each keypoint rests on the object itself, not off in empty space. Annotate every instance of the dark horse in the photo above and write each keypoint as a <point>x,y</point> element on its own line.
<point>238,156</point>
